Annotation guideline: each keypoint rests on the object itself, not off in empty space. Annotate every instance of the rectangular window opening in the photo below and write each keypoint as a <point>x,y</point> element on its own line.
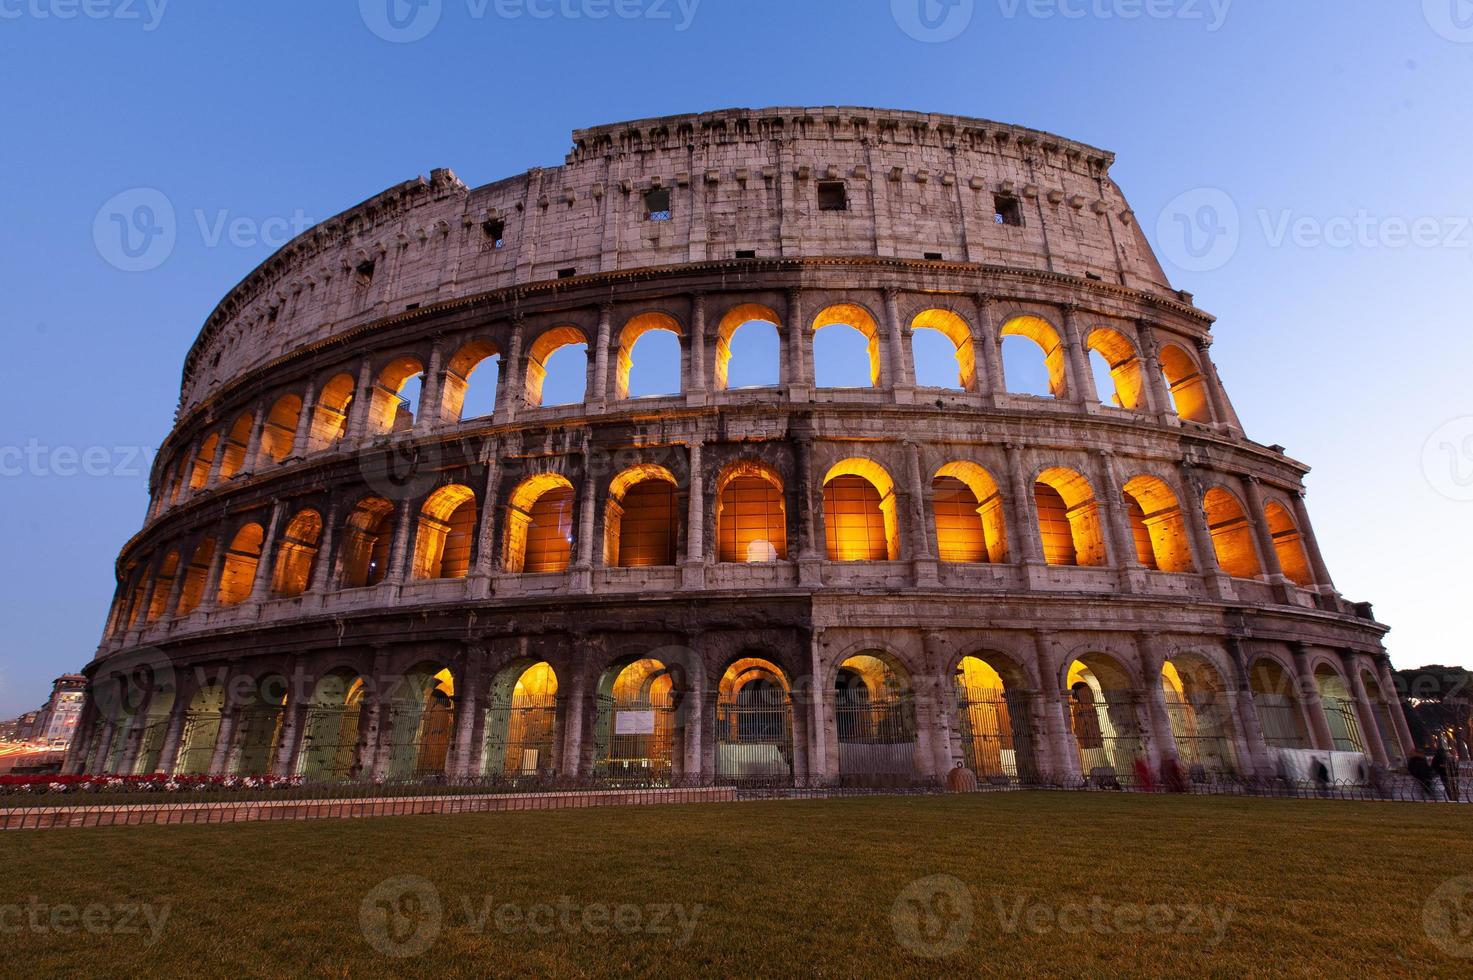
<point>1007,210</point>
<point>566,273</point>
<point>495,232</point>
<point>657,204</point>
<point>746,253</point>
<point>363,271</point>
<point>935,257</point>
<point>832,196</point>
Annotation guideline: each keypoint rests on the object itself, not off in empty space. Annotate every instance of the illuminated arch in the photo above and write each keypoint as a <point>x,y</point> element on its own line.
<point>641,518</point>
<point>539,525</point>
<point>258,727</point>
<point>875,719</point>
<point>330,417</point>
<point>639,728</point>
<point>465,373</point>
<point>332,740</point>
<point>1046,337</point>
<point>1157,525</point>
<point>421,721</point>
<point>389,410</point>
<point>1232,536</point>
<point>195,577</point>
<point>1068,518</point>
<point>959,333</point>
<point>969,514</point>
<point>1200,714</point>
<point>860,319</point>
<point>751,514</point>
<point>1188,387</point>
<point>163,586</point>
<point>238,574</point>
<point>296,553</point>
<point>736,318</point>
<point>446,533</point>
<point>635,329</point>
<point>754,722</point>
<point>279,434</point>
<point>200,732</point>
<point>1124,365</point>
<point>1103,713</point>
<point>547,344</point>
<point>521,722</point>
<point>1288,545</point>
<point>199,474</point>
<point>367,534</point>
<point>237,441</point>
<point>992,719</point>
<point>1340,710</point>
<point>860,520</point>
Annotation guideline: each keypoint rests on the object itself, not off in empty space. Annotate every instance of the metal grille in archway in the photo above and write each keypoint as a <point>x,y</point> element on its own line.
<point>877,737</point>
<point>1200,727</point>
<point>151,746</point>
<point>257,735</point>
<point>754,734</point>
<point>1282,723</point>
<point>1106,732</point>
<point>636,738</point>
<point>330,743</point>
<point>197,746</point>
<point>993,725</point>
<point>520,736</point>
<point>1344,725</point>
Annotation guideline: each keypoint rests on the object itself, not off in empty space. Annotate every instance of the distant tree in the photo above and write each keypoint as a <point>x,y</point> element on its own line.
<point>1438,704</point>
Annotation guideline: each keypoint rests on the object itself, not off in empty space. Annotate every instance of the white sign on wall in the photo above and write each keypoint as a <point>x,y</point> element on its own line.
<point>634,723</point>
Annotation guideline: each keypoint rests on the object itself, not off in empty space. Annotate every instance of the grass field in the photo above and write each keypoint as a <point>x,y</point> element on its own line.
<point>1039,882</point>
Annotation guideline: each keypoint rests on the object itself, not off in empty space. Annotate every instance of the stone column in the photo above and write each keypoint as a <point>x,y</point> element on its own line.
<point>799,375</point>
<point>210,599</point>
<point>226,738</point>
<point>1024,531</point>
<point>1311,544</point>
<point>399,557</point>
<point>1218,583</point>
<point>253,444</point>
<point>1309,699</point>
<point>1390,691</point>
<point>923,559</point>
<point>322,564</point>
<point>466,760</point>
<point>581,579</point>
<point>898,375</point>
<point>373,751</point>
<point>1158,396</point>
<point>293,720</point>
<point>303,434</point>
<point>693,574</point>
<point>485,560</point>
<point>262,583</point>
<point>169,754</point>
<point>176,588</point>
<point>362,405</point>
<point>939,702</point>
<point>98,765</point>
<point>811,548</point>
<point>1222,413</point>
<point>1258,520</point>
<point>1163,739</point>
<point>697,386</point>
<point>515,382</point>
<point>823,742</point>
<point>575,710</point>
<point>432,391</point>
<point>1058,719</point>
<point>1257,757</point>
<point>133,739</point>
<point>1122,541</point>
<point>989,346</point>
<point>601,356</point>
<point>1365,714</point>
<point>1082,381</point>
<point>213,478</point>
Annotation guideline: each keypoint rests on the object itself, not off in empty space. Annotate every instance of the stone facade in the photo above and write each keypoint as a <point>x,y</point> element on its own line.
<point>1186,547</point>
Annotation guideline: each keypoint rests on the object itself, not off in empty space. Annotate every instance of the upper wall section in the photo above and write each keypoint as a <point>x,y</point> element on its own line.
<point>744,181</point>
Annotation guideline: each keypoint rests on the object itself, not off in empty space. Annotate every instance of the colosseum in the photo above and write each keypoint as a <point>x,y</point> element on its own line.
<point>376,549</point>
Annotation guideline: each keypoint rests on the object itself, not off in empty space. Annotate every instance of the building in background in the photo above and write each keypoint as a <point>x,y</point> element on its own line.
<point>57,719</point>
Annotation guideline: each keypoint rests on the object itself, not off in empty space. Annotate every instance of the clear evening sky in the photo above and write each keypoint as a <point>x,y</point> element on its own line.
<point>1302,166</point>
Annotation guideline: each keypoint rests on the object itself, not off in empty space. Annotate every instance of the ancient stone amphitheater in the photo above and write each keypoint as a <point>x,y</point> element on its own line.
<point>354,566</point>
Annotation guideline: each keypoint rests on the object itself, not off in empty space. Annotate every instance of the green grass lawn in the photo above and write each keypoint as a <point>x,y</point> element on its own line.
<point>1044,882</point>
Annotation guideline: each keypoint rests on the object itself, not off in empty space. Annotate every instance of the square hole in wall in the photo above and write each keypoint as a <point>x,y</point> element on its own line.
<point>1007,210</point>
<point>657,204</point>
<point>746,253</point>
<point>363,272</point>
<point>832,196</point>
<point>495,231</point>
<point>934,257</point>
<point>566,273</point>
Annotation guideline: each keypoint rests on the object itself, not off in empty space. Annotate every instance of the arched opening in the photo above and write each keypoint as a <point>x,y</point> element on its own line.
<point>199,475</point>
<point>279,435</point>
<point>200,732</point>
<point>1279,713</point>
<point>396,396</point>
<point>1033,358</point>
<point>330,734</point>
<point>163,586</point>
<point>236,443</point>
<point>1068,518</point>
<point>258,724</point>
<point>748,348</point>
<point>539,525</point>
<point>641,519</point>
<point>155,732</point>
<point>330,417</point>
<point>238,574</point>
<point>860,522</point>
<point>657,369</point>
<point>1104,719</point>
<point>942,351</point>
<point>1288,545</point>
<point>421,723</point>
<point>874,712</point>
<point>636,736</point>
<point>751,514</point>
<point>754,723</point>
<point>1201,717</point>
<point>296,554</point>
<point>1232,536</point>
<point>1117,368</point>
<point>993,721</point>
<point>367,535</point>
<point>446,533</point>
<point>969,515</point>
<point>1157,525</point>
<point>1184,380</point>
<point>469,386</point>
<point>848,357</point>
<point>1339,708</point>
<point>1381,710</point>
<point>521,722</point>
<point>195,577</point>
<point>557,368</point>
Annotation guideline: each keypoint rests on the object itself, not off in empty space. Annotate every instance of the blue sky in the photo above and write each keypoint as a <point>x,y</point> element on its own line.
<point>1328,138</point>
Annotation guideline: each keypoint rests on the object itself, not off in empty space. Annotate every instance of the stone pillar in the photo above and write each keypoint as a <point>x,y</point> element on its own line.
<point>133,739</point>
<point>1222,413</point>
<point>322,563</point>
<point>485,558</point>
<point>176,588</point>
<point>697,385</point>
<point>362,405</point>
<point>989,347</point>
<point>898,374</point>
<point>575,710</point>
<point>226,738</point>
<point>582,571</point>
<point>210,599</point>
<point>693,574</point>
<point>213,478</point>
<point>1081,386</point>
<point>303,434</point>
<point>432,391</point>
<point>373,752</point>
<point>399,557</point>
<point>466,758</point>
<point>1158,718</point>
<point>1122,541</point>
<point>515,390</point>
<point>938,701</point>
<point>293,721</point>
<point>923,558</point>
<point>1370,731</point>
<point>262,583</point>
<point>1257,757</point>
<point>1218,583</point>
<point>799,373</point>
<point>1023,535</point>
<point>1311,544</point>
<point>1309,699</point>
<point>98,765</point>
<point>1390,691</point>
<point>169,754</point>
<point>1055,702</point>
<point>601,356</point>
<point>1157,394</point>
<point>1258,520</point>
<point>811,548</point>
<point>823,742</point>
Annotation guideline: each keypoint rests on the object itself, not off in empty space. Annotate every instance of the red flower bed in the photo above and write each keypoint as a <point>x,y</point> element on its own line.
<point>149,782</point>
